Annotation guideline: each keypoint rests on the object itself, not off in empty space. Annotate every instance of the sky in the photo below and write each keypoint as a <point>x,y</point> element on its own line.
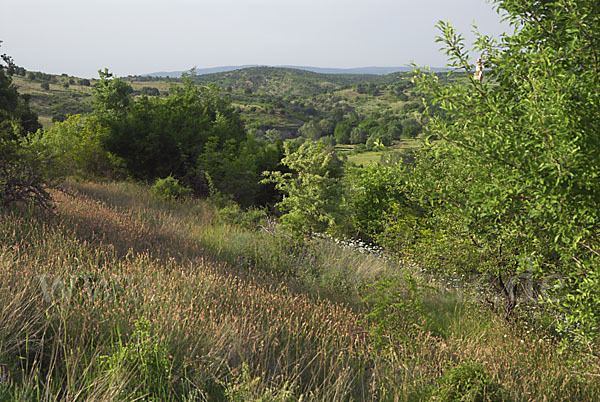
<point>130,37</point>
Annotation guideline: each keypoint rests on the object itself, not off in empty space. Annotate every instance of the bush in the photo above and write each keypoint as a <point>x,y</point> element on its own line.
<point>312,193</point>
<point>513,180</point>
<point>74,147</point>
<point>20,174</point>
<point>468,382</point>
<point>145,358</point>
<point>170,189</point>
<point>397,309</point>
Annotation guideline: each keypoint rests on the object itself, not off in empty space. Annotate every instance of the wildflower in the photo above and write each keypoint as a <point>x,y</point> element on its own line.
<point>4,378</point>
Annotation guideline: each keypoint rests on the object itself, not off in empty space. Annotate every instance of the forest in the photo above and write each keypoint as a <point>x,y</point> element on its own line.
<point>278,234</point>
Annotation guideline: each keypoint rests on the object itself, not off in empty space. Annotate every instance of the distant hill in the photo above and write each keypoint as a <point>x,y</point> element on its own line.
<point>320,70</point>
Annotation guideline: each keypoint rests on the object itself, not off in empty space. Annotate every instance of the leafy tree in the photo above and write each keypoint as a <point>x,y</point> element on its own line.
<point>20,178</point>
<point>150,91</point>
<point>515,179</point>
<point>358,135</point>
<point>373,191</point>
<point>194,135</point>
<point>312,190</point>
<point>112,96</point>
<point>310,130</point>
<point>74,147</point>
<point>14,108</point>
<point>342,133</point>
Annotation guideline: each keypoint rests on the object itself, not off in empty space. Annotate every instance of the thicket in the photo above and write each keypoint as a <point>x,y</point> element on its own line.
<point>194,134</point>
<point>20,170</point>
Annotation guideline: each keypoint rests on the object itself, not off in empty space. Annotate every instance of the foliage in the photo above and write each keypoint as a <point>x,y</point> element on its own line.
<point>112,97</point>
<point>373,191</point>
<point>146,356</point>
<point>245,388</point>
<point>194,134</point>
<point>20,173</point>
<point>20,170</point>
<point>396,308</point>
<point>468,382</point>
<point>520,182</point>
<point>169,188</point>
<point>74,147</point>
<point>312,191</point>
<point>14,107</point>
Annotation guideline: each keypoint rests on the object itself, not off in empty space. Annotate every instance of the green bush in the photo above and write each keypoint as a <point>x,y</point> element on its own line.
<point>74,147</point>
<point>468,382</point>
<point>397,309</point>
<point>145,358</point>
<point>312,190</point>
<point>169,188</point>
<point>21,177</point>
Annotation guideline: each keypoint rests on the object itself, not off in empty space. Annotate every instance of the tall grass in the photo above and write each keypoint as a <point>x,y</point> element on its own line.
<point>121,296</point>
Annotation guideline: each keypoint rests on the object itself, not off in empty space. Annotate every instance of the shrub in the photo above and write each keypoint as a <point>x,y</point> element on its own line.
<point>20,174</point>
<point>468,382</point>
<point>144,357</point>
<point>170,189</point>
<point>74,147</point>
<point>312,193</point>
<point>514,176</point>
<point>397,309</point>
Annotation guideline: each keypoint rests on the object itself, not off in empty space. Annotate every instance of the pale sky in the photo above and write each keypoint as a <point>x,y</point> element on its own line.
<point>79,37</point>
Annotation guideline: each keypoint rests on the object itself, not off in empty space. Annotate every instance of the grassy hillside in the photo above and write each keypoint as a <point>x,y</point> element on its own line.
<point>57,99</point>
<point>121,296</point>
<point>268,97</point>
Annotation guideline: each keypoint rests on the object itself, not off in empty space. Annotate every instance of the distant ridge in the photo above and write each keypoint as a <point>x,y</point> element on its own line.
<point>359,70</point>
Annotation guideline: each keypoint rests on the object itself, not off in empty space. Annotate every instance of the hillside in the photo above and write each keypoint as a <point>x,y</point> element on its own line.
<point>269,98</point>
<point>121,295</point>
<point>321,70</point>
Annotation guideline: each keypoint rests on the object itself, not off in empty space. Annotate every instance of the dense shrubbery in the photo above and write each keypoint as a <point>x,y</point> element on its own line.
<point>468,382</point>
<point>312,190</point>
<point>194,135</point>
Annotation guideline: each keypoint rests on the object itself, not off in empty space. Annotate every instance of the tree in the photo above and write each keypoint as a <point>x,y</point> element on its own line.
<point>358,135</point>
<point>112,96</point>
<point>312,190</point>
<point>74,147</point>
<point>194,135</point>
<point>20,178</point>
<point>515,178</point>
<point>310,130</point>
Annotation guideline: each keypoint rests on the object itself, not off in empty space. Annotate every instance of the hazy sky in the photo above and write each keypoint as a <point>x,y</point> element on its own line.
<point>79,37</point>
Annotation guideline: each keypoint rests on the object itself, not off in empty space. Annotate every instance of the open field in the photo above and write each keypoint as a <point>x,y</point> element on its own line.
<point>121,296</point>
<point>364,158</point>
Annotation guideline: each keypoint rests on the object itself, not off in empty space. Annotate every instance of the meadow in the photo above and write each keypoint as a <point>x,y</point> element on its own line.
<point>119,295</point>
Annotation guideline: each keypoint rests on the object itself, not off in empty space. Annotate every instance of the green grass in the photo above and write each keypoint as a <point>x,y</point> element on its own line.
<point>364,158</point>
<point>166,301</point>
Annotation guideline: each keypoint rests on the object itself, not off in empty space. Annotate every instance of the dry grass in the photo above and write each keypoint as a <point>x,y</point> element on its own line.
<point>222,326</point>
